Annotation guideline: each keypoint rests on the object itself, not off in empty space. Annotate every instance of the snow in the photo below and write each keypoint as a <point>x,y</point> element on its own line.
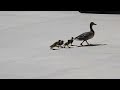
<point>25,37</point>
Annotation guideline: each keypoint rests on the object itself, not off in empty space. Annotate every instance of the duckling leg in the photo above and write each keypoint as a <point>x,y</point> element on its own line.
<point>61,46</point>
<point>87,42</point>
<point>58,46</point>
<point>68,46</point>
<point>71,44</point>
<point>82,43</point>
<point>64,46</point>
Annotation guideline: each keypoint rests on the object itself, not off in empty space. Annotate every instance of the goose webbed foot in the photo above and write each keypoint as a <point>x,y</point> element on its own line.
<point>81,44</point>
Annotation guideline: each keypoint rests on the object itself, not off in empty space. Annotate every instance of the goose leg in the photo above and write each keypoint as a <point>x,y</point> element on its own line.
<point>87,42</point>
<point>82,43</point>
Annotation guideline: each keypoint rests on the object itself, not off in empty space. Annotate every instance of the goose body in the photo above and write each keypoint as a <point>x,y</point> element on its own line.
<point>87,35</point>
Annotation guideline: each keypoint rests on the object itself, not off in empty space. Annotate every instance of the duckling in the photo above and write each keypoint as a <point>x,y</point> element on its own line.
<point>56,44</point>
<point>67,44</point>
<point>71,41</point>
<point>61,42</point>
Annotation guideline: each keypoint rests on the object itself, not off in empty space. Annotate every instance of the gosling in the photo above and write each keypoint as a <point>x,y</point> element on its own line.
<point>56,44</point>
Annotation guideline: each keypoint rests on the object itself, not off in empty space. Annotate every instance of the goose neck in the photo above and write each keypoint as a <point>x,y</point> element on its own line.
<point>91,28</point>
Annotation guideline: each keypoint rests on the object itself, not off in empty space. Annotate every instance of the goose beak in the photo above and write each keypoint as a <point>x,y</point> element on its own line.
<point>95,24</point>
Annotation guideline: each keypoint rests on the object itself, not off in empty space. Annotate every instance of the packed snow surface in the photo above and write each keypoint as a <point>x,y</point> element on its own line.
<point>25,37</point>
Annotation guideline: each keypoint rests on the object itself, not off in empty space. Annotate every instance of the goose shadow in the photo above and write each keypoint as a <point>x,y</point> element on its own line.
<point>92,45</point>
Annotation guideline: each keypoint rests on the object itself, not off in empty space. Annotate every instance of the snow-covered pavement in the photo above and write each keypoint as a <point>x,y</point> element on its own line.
<point>25,38</point>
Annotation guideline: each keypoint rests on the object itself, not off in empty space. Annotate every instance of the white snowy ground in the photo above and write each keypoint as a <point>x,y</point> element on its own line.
<point>25,38</point>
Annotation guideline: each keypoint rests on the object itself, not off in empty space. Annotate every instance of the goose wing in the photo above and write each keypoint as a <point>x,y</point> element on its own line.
<point>84,36</point>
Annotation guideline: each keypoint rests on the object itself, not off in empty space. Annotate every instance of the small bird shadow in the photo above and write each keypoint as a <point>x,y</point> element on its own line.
<point>92,45</point>
<point>68,48</point>
<point>54,49</point>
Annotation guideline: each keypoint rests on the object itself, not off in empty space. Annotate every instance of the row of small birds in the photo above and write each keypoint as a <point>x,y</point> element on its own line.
<point>83,37</point>
<point>60,43</point>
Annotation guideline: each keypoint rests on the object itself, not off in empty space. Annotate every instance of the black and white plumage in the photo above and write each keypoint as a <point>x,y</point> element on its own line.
<point>87,35</point>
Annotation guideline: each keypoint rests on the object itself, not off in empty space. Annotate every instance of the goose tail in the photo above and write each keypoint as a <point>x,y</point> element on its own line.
<point>75,38</point>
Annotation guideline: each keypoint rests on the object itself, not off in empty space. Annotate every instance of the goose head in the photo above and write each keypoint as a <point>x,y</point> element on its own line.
<point>92,23</point>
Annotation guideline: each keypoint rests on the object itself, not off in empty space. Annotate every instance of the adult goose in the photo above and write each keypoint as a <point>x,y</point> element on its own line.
<point>87,35</point>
